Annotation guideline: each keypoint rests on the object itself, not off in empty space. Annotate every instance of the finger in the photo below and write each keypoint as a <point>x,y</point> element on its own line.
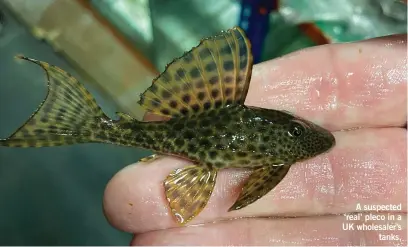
<point>366,166</point>
<point>340,86</point>
<point>316,231</point>
<point>311,110</point>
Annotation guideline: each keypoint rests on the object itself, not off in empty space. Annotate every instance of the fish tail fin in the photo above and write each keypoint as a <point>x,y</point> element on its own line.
<point>68,115</point>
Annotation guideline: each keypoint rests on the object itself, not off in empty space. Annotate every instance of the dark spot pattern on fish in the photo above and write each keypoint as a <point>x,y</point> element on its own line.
<point>202,96</point>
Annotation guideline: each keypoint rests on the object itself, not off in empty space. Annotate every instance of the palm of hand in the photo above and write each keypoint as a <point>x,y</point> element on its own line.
<point>342,87</point>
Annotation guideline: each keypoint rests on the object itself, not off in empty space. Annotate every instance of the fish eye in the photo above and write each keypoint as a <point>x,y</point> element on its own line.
<point>296,130</point>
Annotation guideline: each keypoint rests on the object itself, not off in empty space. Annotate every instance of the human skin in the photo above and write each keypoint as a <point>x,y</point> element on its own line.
<point>358,91</point>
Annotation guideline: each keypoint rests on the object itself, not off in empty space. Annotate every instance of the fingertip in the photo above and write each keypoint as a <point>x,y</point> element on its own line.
<point>115,193</point>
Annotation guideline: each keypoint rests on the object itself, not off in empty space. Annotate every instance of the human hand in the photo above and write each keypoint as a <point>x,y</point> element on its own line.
<point>358,87</point>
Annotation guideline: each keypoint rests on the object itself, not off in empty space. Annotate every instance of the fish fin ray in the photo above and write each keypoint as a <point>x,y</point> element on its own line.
<point>259,183</point>
<point>64,117</point>
<point>188,190</point>
<point>213,74</point>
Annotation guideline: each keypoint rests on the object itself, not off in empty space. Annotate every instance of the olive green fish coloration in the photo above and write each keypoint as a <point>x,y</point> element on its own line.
<point>202,95</point>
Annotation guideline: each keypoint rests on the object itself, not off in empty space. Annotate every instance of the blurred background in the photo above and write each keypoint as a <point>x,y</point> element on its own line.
<point>53,196</point>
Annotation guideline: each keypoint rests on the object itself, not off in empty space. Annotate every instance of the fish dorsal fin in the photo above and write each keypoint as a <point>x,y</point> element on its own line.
<point>213,74</point>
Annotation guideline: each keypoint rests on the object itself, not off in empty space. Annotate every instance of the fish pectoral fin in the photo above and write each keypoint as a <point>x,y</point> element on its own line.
<point>259,183</point>
<point>188,190</point>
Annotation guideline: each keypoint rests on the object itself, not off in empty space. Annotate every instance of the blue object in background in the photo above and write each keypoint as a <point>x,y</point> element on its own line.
<point>254,19</point>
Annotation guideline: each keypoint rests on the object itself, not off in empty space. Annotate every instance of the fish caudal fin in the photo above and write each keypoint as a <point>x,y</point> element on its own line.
<point>188,191</point>
<point>66,116</point>
<point>259,183</point>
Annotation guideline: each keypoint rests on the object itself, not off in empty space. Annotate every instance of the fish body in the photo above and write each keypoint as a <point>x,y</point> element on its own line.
<point>235,136</point>
<point>201,94</point>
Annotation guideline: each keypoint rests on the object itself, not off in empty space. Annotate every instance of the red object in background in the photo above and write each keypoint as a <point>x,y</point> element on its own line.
<point>314,33</point>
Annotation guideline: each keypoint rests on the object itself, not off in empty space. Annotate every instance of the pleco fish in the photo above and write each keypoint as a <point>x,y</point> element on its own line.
<point>202,95</point>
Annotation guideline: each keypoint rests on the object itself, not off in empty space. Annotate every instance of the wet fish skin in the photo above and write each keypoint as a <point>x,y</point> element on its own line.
<point>202,96</point>
<point>234,136</point>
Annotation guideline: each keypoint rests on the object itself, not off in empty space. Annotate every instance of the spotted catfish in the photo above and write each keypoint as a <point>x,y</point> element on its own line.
<point>201,95</point>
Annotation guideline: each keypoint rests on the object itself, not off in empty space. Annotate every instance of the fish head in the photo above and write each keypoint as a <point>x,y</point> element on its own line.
<point>306,139</point>
<point>293,138</point>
